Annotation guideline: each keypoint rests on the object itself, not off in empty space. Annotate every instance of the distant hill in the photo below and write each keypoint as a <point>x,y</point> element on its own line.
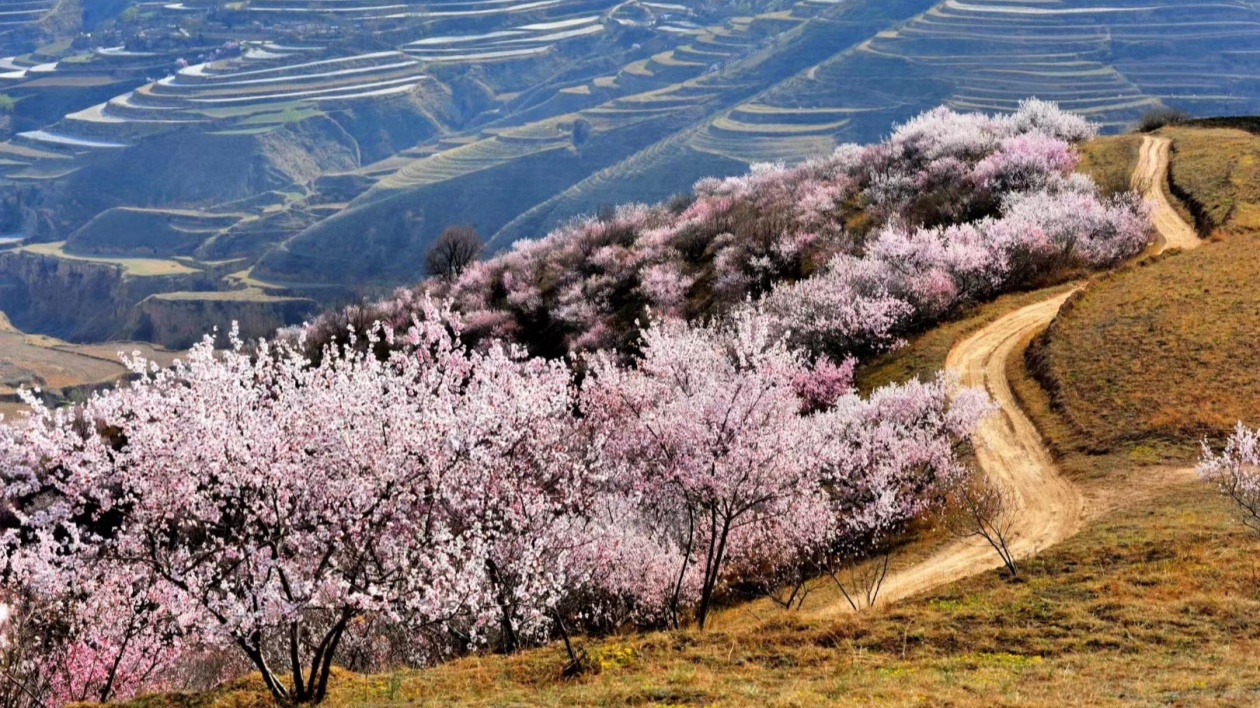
<point>324,145</point>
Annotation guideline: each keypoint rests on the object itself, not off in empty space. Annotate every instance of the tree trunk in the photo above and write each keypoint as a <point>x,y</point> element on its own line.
<point>676,600</point>
<point>712,572</point>
<point>510,643</point>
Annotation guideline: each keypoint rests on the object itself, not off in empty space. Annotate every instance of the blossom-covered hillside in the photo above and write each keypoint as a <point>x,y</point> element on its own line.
<point>848,253</point>
<point>435,483</point>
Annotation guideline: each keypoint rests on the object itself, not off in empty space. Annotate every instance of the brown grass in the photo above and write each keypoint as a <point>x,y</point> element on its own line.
<point>1111,161</point>
<point>1155,357</point>
<point>925,355</point>
<point>1217,171</point>
<point>58,368</point>
<point>136,267</point>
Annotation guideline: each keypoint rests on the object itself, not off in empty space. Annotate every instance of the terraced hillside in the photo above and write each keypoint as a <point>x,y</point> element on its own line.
<point>22,21</point>
<point>238,144</point>
<point>314,148</point>
<point>1108,60</point>
<point>494,175</point>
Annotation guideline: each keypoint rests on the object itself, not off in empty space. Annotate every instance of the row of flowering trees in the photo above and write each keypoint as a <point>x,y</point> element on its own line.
<point>853,251</point>
<point>445,498</point>
<point>516,459</point>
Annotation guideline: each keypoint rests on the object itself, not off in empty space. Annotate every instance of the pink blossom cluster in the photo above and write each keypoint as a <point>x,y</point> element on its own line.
<point>907,279</point>
<point>445,497</point>
<point>871,242</point>
<point>1235,470</point>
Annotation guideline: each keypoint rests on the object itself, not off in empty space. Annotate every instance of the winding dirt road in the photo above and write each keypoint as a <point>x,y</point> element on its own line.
<point>1008,447</point>
<point>1149,179</point>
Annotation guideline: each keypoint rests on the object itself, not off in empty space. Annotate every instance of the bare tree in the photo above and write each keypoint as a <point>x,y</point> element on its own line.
<point>794,586</point>
<point>983,507</point>
<point>456,249</point>
<point>860,580</point>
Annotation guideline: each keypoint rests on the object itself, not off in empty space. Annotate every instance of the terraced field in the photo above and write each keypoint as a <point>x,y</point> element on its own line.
<point>1111,60</point>
<point>664,94</point>
<point>22,15</point>
<point>272,117</point>
<point>58,368</point>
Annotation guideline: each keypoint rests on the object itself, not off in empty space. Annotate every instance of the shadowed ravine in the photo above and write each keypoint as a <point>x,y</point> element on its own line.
<point>1008,446</point>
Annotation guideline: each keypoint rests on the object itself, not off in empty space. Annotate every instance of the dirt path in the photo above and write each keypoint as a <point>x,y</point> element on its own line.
<point>1008,446</point>
<point>1149,178</point>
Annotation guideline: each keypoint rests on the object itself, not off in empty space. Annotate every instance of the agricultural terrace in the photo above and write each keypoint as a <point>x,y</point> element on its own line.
<point>268,87</point>
<point>616,115</point>
<point>984,55</point>
<point>513,43</point>
<point>24,14</point>
<point>376,11</point>
<point>278,82</point>
<point>1105,59</point>
<point>34,361</point>
<point>676,82</point>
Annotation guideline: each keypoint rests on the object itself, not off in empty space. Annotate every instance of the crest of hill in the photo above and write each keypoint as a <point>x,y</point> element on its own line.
<point>834,247</point>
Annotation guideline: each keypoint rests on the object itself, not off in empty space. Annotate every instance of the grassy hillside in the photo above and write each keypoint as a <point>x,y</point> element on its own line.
<point>1157,356</point>
<point>1110,160</point>
<point>1216,172</point>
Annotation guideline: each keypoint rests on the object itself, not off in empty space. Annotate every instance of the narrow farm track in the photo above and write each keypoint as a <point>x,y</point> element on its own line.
<point>1149,179</point>
<point>1008,447</point>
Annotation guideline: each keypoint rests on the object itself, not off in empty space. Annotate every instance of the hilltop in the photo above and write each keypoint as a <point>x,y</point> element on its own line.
<point>306,151</point>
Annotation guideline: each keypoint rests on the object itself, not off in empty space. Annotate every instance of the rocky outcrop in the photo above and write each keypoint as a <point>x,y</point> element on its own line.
<point>77,300</point>
<point>179,320</point>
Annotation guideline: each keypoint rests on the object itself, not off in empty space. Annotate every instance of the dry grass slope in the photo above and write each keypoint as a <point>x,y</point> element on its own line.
<point>1217,171</point>
<point>1157,356</point>
<point>1110,161</point>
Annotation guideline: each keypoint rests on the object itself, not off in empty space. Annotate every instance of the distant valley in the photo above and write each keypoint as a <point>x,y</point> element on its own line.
<point>174,166</point>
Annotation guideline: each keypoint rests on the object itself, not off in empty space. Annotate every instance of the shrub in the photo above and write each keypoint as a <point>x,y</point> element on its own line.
<point>1160,117</point>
